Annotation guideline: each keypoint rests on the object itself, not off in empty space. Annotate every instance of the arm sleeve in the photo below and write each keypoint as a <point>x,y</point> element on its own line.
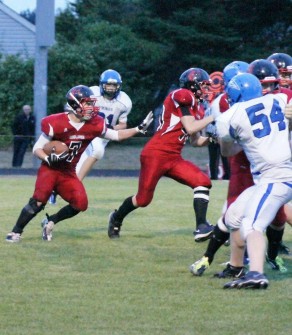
<point>111,134</point>
<point>39,144</point>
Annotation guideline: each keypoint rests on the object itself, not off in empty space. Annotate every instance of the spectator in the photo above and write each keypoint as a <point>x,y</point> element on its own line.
<point>23,131</point>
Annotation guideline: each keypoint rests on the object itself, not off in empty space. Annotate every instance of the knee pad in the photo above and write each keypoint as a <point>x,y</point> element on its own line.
<point>32,206</point>
<point>97,149</point>
<point>221,225</point>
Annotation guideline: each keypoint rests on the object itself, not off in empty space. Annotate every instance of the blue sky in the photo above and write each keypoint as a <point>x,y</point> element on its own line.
<point>22,5</point>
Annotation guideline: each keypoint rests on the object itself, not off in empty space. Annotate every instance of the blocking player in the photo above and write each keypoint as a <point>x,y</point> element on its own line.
<point>76,128</point>
<point>241,179</point>
<point>255,124</point>
<point>180,120</point>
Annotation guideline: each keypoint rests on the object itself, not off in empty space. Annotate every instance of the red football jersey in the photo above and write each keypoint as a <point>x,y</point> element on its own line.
<point>171,136</point>
<point>288,92</point>
<point>223,103</point>
<point>77,136</point>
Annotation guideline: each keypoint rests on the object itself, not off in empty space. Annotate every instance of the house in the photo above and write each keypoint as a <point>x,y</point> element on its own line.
<point>17,35</point>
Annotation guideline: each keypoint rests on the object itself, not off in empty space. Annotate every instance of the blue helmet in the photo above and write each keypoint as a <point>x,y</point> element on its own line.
<point>110,77</point>
<point>243,87</point>
<point>232,69</point>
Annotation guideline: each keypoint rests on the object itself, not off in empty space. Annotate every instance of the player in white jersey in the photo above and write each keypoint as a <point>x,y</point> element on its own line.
<point>256,124</point>
<point>114,106</point>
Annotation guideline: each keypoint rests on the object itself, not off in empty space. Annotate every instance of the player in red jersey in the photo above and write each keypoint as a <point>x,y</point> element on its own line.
<point>76,128</point>
<point>241,179</point>
<point>216,89</point>
<point>161,156</point>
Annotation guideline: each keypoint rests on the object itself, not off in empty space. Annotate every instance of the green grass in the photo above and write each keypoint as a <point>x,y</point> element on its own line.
<point>83,283</point>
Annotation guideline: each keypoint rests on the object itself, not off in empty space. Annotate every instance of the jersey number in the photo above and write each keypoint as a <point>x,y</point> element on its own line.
<point>276,115</point>
<point>74,148</point>
<point>108,119</point>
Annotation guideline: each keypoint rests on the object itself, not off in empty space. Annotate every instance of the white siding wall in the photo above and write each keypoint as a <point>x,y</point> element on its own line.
<point>17,35</point>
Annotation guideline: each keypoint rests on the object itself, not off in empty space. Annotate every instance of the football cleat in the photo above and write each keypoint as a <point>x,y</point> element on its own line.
<point>231,272</point>
<point>199,267</point>
<point>277,264</point>
<point>114,226</point>
<point>47,232</point>
<point>13,237</point>
<point>203,232</point>
<point>252,279</point>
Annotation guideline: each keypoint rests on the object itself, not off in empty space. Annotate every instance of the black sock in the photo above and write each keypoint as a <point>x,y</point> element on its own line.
<point>274,239</point>
<point>23,219</point>
<point>28,212</point>
<point>200,208</point>
<point>217,239</point>
<point>125,208</point>
<point>64,213</point>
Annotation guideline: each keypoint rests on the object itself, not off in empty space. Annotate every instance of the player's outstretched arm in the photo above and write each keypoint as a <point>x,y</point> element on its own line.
<point>119,135</point>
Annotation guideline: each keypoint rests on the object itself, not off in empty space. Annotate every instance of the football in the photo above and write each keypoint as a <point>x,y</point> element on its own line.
<point>57,147</point>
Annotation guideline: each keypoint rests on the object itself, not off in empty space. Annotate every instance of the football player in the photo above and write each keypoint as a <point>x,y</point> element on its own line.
<point>216,89</point>
<point>241,179</point>
<point>114,106</point>
<point>256,124</point>
<point>76,128</point>
<point>269,75</point>
<point>284,64</point>
<point>161,156</point>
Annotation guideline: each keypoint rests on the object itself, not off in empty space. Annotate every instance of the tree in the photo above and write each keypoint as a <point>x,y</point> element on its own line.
<point>16,90</point>
<point>150,43</point>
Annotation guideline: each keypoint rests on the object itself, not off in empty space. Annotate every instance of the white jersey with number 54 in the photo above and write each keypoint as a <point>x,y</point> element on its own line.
<point>260,127</point>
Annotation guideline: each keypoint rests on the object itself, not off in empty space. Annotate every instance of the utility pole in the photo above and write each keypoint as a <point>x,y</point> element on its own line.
<point>45,38</point>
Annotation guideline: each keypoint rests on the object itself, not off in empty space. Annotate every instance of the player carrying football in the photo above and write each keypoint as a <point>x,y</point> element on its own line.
<point>76,129</point>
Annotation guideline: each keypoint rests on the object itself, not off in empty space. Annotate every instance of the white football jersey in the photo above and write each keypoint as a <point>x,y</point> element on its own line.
<point>260,127</point>
<point>113,110</point>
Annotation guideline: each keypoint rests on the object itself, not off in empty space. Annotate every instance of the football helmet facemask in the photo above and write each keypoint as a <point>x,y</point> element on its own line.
<point>81,99</point>
<point>243,87</point>
<point>267,73</point>
<point>110,83</point>
<point>195,80</point>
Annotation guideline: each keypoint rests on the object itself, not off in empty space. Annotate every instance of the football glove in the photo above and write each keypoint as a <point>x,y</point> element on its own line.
<point>142,128</point>
<point>54,158</point>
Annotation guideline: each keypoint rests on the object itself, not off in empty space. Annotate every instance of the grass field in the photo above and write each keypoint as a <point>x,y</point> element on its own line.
<point>83,283</point>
